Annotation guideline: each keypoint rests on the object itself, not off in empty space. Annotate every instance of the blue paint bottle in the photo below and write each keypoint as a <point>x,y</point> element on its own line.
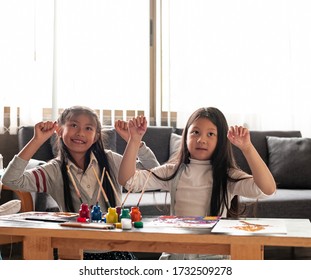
<point>96,214</point>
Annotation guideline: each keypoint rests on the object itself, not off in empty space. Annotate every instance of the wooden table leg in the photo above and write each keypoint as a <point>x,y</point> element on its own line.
<point>37,248</point>
<point>246,252</point>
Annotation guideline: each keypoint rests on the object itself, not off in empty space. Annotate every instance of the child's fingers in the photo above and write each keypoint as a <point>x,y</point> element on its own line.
<point>131,123</point>
<point>123,125</point>
<point>46,126</point>
<point>139,121</point>
<point>117,123</point>
<point>237,130</point>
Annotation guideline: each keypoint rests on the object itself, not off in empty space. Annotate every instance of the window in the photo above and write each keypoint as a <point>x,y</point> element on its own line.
<point>251,59</point>
<point>26,61</point>
<point>102,54</point>
<point>74,52</point>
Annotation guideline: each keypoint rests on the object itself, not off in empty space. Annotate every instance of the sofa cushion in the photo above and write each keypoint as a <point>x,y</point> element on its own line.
<point>290,204</point>
<point>289,161</point>
<point>156,138</point>
<point>175,143</point>
<point>110,138</point>
<point>259,141</point>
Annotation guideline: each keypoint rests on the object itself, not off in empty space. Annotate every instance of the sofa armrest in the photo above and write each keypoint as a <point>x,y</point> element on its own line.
<point>24,197</point>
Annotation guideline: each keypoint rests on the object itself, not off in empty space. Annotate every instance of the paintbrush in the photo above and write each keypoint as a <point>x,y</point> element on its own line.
<point>131,187</point>
<point>74,183</point>
<point>128,192</point>
<point>100,186</point>
<point>114,188</point>
<point>143,190</point>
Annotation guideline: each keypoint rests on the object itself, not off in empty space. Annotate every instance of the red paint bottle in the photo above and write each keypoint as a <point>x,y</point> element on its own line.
<point>84,211</point>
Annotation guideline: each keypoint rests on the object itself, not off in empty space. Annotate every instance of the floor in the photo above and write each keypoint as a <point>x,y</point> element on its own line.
<point>13,252</point>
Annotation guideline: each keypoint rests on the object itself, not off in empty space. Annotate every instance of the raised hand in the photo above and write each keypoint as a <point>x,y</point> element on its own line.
<point>137,127</point>
<point>239,136</point>
<point>44,130</point>
<point>121,128</point>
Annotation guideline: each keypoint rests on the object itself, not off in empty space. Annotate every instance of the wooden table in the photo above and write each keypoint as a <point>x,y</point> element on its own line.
<point>39,239</point>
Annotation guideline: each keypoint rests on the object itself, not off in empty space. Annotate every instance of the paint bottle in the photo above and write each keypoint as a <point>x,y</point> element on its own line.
<point>84,213</point>
<point>96,213</point>
<point>125,218</point>
<point>135,214</point>
<point>111,216</point>
<point>118,209</point>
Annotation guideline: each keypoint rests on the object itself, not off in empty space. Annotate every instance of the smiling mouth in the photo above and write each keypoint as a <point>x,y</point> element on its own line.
<point>78,141</point>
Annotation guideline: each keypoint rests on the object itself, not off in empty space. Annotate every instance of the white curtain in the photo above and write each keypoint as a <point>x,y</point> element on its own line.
<point>55,54</point>
<point>103,53</point>
<point>249,58</point>
<point>25,60</point>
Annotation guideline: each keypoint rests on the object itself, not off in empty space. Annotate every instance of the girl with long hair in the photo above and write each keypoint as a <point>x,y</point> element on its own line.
<point>71,177</point>
<point>203,179</point>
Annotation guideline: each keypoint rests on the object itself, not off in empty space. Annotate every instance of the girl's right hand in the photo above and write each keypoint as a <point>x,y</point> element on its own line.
<point>44,130</point>
<point>121,128</point>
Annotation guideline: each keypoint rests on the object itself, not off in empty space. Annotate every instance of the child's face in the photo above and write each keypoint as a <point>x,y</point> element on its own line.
<point>202,139</point>
<point>79,134</point>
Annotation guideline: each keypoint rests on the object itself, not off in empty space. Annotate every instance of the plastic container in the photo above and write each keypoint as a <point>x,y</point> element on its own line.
<point>96,213</point>
<point>125,213</point>
<point>118,209</point>
<point>126,223</point>
<point>111,216</point>
<point>135,214</point>
<point>125,219</point>
<point>84,213</point>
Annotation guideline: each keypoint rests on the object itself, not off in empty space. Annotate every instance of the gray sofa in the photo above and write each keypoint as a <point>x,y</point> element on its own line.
<point>286,153</point>
<point>288,157</point>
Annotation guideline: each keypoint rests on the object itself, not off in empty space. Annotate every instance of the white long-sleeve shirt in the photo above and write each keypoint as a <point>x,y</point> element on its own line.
<point>191,192</point>
<point>191,189</point>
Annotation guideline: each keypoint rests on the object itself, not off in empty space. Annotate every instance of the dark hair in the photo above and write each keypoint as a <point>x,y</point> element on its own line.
<point>97,148</point>
<point>222,159</point>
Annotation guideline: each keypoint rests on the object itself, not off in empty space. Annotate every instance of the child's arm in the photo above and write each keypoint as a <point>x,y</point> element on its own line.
<point>42,132</point>
<point>15,175</point>
<point>137,128</point>
<point>240,137</point>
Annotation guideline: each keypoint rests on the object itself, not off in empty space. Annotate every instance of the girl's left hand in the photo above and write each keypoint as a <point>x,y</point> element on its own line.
<point>239,136</point>
<point>138,127</point>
